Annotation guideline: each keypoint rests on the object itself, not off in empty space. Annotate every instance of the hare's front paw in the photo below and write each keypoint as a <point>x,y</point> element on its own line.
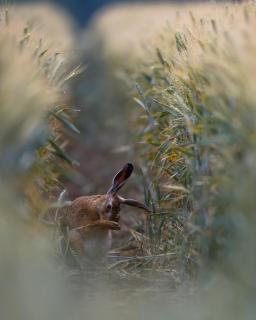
<point>104,224</point>
<point>113,225</point>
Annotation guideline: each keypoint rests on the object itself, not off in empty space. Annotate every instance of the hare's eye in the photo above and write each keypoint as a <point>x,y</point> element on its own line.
<point>108,206</point>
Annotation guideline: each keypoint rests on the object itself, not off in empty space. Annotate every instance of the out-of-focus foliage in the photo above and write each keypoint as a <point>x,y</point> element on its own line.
<point>194,85</point>
<point>197,92</point>
<point>133,40</point>
<point>34,70</point>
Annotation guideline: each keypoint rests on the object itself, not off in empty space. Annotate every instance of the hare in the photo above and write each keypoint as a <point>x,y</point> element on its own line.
<point>90,219</point>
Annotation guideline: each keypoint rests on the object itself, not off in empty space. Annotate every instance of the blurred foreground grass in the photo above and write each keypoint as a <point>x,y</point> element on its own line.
<point>34,69</point>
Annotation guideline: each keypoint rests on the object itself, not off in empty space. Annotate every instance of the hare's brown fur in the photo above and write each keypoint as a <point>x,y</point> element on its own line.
<point>89,219</point>
<point>82,211</point>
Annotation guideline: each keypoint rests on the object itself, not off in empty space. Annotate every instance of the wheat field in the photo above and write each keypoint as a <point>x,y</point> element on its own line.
<point>176,82</point>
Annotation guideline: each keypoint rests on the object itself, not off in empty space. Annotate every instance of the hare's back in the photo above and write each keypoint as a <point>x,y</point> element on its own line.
<point>82,211</point>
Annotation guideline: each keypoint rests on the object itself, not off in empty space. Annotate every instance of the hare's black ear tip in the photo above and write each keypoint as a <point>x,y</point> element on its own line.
<point>129,167</point>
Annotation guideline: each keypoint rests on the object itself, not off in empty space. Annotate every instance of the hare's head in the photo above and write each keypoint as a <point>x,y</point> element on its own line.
<point>111,202</point>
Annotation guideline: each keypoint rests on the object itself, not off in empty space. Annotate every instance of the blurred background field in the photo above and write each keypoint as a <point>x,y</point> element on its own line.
<point>169,87</point>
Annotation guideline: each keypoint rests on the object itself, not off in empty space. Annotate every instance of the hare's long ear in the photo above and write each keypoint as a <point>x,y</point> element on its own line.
<point>120,178</point>
<point>134,203</point>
